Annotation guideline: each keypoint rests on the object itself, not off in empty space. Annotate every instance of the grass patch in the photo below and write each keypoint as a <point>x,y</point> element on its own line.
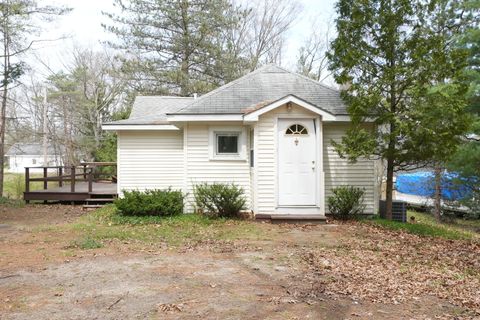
<point>107,223</point>
<point>86,244</point>
<point>14,184</point>
<point>426,226</point>
<point>12,203</point>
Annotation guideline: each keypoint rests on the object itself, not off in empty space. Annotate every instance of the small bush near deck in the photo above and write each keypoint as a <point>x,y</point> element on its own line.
<point>219,199</point>
<point>151,203</point>
<point>346,202</point>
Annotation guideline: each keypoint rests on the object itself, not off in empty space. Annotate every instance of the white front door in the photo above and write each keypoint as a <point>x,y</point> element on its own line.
<point>296,162</point>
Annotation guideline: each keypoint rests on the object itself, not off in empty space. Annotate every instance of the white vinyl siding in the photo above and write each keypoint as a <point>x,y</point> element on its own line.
<point>150,160</point>
<point>201,168</point>
<point>340,172</point>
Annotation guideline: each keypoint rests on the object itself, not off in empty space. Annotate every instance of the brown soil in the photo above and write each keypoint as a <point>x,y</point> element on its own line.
<point>41,278</point>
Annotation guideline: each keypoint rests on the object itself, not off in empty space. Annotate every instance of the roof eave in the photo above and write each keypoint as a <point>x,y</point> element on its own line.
<point>139,127</point>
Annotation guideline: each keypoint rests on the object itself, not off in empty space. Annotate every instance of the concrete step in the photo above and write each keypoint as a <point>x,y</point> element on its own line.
<point>292,218</point>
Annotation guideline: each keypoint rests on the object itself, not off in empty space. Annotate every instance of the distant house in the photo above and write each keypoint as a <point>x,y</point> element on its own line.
<point>22,155</point>
<point>269,132</point>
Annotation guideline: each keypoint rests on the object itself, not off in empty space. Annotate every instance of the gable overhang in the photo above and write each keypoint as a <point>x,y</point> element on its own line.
<point>325,115</point>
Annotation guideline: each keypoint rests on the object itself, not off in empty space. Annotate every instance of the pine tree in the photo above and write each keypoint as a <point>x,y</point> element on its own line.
<point>172,46</point>
<point>404,72</point>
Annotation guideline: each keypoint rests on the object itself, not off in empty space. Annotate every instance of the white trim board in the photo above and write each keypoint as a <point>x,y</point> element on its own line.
<point>203,117</point>
<point>140,127</point>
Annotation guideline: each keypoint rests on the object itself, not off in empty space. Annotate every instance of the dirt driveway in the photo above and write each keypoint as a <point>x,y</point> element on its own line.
<point>42,277</point>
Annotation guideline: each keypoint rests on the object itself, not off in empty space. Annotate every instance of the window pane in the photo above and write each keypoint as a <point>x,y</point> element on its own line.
<point>227,144</point>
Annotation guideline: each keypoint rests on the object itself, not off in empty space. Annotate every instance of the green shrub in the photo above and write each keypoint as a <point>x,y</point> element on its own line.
<point>346,202</point>
<point>151,203</point>
<point>219,199</point>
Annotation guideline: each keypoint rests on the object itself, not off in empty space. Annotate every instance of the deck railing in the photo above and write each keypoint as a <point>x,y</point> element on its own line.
<point>85,172</point>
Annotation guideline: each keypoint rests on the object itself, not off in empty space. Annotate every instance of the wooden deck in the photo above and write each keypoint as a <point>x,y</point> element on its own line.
<point>81,192</point>
<point>84,183</point>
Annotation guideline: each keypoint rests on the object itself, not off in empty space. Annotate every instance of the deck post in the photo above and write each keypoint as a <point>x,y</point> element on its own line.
<point>45,181</point>
<point>84,172</point>
<point>27,182</point>
<point>90,180</point>
<point>60,178</point>
<point>72,179</point>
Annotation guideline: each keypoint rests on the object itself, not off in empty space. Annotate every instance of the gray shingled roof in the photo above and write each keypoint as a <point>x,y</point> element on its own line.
<point>267,84</point>
<point>30,149</point>
<point>153,109</point>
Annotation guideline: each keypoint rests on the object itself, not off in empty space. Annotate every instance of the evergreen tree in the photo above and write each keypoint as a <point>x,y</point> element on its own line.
<point>404,72</point>
<point>466,161</point>
<point>173,46</point>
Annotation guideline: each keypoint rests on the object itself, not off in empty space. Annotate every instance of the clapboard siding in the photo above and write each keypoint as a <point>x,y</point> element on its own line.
<point>150,160</point>
<point>200,168</point>
<point>340,171</point>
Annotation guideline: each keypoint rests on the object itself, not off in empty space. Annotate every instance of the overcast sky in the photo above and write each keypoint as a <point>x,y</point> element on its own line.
<point>82,27</point>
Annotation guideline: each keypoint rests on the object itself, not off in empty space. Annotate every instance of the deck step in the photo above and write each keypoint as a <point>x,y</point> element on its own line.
<point>92,206</point>
<point>99,200</point>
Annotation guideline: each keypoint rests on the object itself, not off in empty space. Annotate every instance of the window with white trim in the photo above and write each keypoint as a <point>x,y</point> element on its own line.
<point>227,143</point>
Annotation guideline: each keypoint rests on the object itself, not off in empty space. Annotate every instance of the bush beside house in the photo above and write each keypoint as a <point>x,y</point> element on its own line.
<point>151,203</point>
<point>219,199</point>
<point>346,202</point>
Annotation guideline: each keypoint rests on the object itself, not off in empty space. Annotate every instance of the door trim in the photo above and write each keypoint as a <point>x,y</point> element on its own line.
<point>319,176</point>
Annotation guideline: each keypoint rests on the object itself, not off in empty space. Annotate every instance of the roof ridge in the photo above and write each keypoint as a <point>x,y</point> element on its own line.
<point>229,84</point>
<point>165,97</point>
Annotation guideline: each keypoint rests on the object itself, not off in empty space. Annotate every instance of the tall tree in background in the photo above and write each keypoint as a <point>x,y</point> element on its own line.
<point>399,59</point>
<point>193,46</point>
<point>466,161</point>
<point>101,86</point>
<point>312,56</point>
<point>17,24</point>
<point>267,24</point>
<point>171,45</point>
<point>81,99</point>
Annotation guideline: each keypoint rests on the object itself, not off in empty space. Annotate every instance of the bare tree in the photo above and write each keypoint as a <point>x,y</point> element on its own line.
<point>17,23</point>
<point>102,90</point>
<point>267,24</point>
<point>312,59</point>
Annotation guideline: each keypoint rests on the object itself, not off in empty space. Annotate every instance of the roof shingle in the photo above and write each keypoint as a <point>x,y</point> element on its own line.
<point>269,83</point>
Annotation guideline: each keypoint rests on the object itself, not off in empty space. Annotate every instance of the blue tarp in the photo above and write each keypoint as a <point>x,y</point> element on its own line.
<point>423,184</point>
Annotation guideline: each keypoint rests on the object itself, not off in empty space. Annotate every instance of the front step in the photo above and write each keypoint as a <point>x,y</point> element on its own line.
<point>292,218</point>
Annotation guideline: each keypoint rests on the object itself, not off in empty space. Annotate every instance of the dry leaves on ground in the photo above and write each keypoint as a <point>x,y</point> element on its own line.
<point>392,267</point>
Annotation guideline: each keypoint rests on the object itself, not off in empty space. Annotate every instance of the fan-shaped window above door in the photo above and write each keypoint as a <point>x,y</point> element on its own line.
<point>296,129</point>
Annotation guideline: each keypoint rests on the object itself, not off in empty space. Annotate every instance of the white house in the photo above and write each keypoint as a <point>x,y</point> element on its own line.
<point>269,132</point>
<point>21,155</point>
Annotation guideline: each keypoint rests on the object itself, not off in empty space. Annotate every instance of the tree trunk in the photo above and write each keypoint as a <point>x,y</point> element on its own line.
<point>2,135</point>
<point>438,192</point>
<point>389,189</point>
<point>3,111</point>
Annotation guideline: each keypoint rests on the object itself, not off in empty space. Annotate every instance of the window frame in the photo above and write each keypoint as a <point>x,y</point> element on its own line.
<point>216,131</point>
